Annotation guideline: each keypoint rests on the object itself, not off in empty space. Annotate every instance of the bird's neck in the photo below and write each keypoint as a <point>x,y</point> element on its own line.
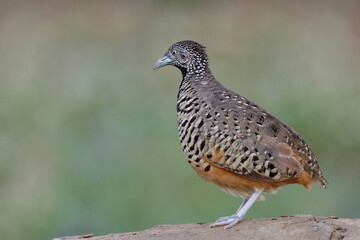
<point>194,73</point>
<point>192,82</point>
<point>197,67</point>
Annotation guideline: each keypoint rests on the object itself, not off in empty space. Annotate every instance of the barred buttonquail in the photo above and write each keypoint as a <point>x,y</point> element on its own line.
<point>232,142</point>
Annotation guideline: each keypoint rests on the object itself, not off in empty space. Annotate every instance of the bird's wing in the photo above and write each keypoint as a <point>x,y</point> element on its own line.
<point>265,160</point>
<point>247,140</point>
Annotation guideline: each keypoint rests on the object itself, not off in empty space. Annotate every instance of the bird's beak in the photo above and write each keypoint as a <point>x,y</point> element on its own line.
<point>165,60</point>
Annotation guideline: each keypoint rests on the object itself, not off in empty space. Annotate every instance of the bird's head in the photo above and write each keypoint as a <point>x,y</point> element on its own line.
<point>189,56</point>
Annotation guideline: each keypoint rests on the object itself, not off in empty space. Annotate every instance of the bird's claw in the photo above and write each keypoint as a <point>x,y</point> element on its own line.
<point>229,221</point>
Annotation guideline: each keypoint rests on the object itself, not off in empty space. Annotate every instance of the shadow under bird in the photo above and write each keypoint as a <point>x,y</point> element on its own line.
<point>232,142</point>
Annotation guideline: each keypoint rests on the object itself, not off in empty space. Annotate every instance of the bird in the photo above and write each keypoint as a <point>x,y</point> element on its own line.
<point>232,142</point>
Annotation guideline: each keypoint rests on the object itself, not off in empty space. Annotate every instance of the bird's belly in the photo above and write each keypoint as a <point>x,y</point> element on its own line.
<point>196,144</point>
<point>238,185</point>
<point>229,182</point>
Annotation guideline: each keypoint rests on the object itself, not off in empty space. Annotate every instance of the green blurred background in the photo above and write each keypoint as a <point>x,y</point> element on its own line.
<point>88,134</point>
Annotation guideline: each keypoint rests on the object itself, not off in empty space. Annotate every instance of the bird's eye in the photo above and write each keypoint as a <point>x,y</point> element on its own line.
<point>173,52</point>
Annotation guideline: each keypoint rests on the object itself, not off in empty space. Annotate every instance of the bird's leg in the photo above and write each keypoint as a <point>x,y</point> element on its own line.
<point>240,213</point>
<point>220,219</point>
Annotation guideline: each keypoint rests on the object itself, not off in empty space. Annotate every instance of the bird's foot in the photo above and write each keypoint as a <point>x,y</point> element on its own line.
<point>229,221</point>
<point>232,220</point>
<point>225,218</point>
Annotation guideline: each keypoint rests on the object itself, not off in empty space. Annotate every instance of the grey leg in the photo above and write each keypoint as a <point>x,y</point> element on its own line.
<point>220,219</point>
<point>240,213</point>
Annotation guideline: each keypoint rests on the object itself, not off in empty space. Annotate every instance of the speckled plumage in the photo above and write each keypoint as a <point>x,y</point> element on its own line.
<point>223,131</point>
